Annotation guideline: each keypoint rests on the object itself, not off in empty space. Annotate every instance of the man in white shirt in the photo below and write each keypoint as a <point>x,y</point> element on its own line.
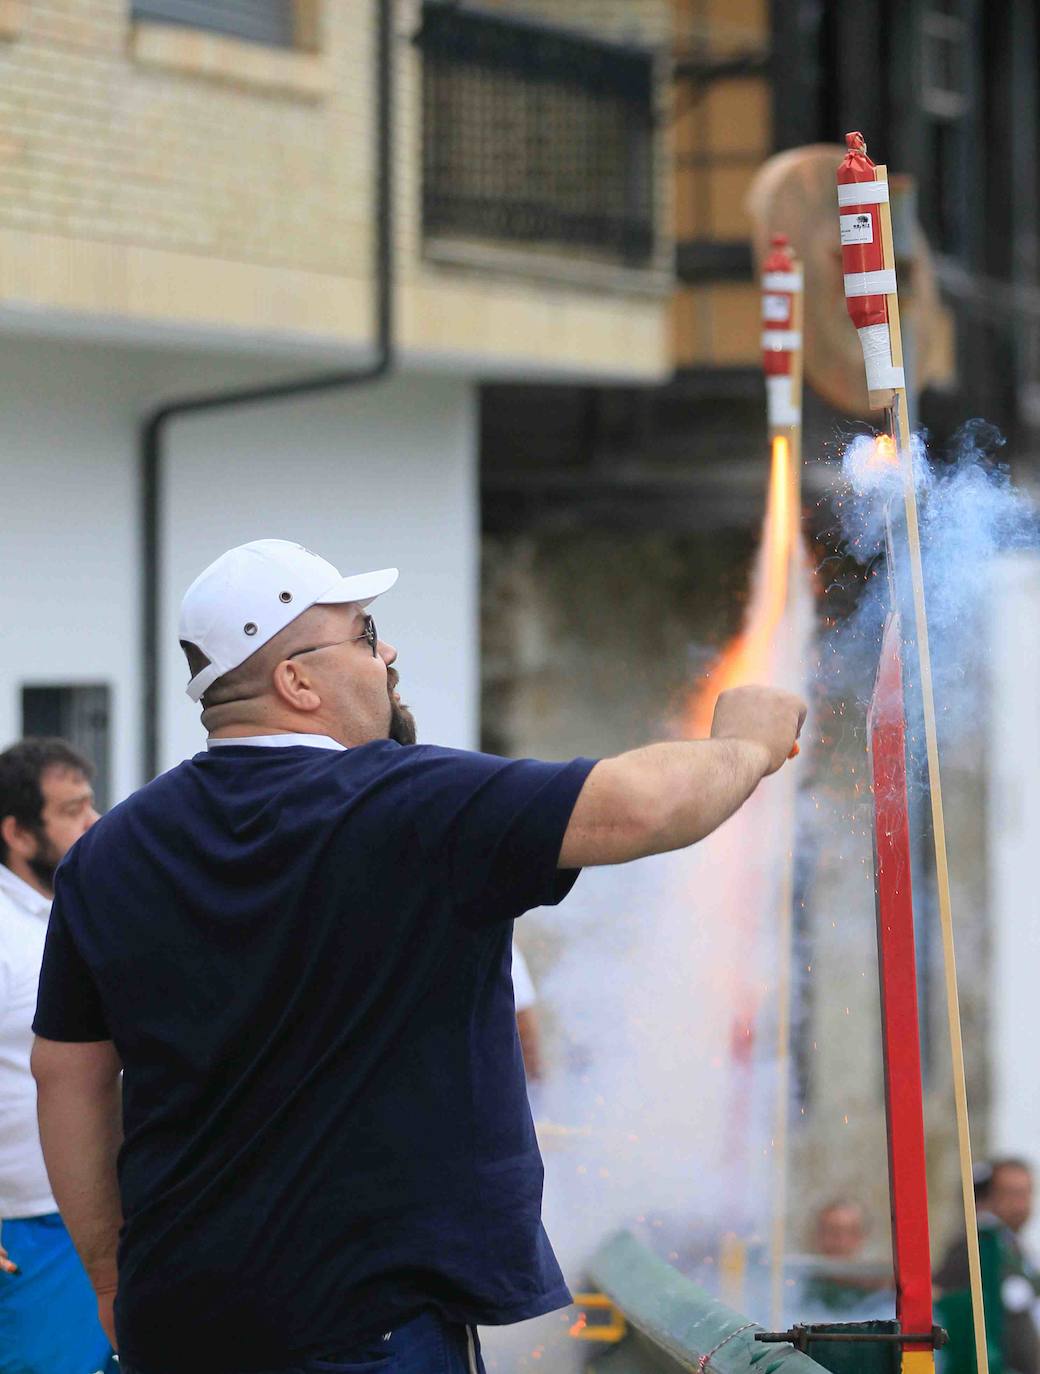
<point>48,1315</point>
<point>525,999</point>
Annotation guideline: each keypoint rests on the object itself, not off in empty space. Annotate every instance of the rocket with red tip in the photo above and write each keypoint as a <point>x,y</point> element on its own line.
<point>782,336</point>
<point>870,280</point>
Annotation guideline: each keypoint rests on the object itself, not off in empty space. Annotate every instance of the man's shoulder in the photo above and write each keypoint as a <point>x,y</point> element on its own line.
<point>426,755</point>
<point>437,776</point>
<point>18,901</point>
<point>8,905</point>
<point>12,922</point>
<point>385,754</point>
<point>161,791</point>
<point>161,794</point>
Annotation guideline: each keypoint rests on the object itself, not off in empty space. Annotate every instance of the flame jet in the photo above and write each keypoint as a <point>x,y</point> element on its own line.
<point>771,647</point>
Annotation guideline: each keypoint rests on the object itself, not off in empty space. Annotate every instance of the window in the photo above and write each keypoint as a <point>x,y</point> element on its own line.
<point>536,135</point>
<point>944,59</point>
<point>80,715</point>
<point>259,21</point>
<point>945,93</point>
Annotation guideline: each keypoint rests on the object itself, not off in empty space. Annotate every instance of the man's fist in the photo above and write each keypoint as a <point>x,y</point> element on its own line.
<point>764,715</point>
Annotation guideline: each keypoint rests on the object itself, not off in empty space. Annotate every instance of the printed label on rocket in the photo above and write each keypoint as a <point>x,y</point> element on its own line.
<point>856,229</point>
<point>776,309</point>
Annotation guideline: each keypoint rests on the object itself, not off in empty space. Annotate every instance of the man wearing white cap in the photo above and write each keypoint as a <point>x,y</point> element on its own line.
<point>296,946</point>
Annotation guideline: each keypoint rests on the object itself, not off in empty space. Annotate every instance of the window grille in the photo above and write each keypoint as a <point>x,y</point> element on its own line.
<point>944,62</point>
<point>945,95</point>
<point>81,715</point>
<point>537,136</point>
<point>259,21</point>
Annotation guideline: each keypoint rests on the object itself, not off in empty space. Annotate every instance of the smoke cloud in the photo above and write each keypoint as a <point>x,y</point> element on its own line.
<point>970,513</point>
<point>658,1112</point>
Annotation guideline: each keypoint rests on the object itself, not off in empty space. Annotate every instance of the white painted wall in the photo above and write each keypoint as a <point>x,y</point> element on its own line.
<point>384,476</point>
<point>68,535</point>
<point>1014,843</point>
<point>375,476</point>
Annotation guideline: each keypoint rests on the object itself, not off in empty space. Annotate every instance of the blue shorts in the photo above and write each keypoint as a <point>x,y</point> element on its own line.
<point>425,1345</point>
<point>48,1311</point>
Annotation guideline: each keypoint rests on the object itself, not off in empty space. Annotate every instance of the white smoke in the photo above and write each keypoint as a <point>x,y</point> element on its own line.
<point>970,512</point>
<point>653,1118</point>
<point>658,1113</point>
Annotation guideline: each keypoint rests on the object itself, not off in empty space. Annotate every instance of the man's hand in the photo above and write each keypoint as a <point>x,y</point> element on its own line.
<point>761,715</point>
<point>7,1264</point>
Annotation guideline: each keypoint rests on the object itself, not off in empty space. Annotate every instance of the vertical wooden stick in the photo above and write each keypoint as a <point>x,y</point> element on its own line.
<point>785,937</point>
<point>798,325</point>
<point>785,932</point>
<point>899,427</point>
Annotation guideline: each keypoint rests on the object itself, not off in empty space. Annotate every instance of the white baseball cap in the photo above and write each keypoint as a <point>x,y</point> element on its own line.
<point>251,592</point>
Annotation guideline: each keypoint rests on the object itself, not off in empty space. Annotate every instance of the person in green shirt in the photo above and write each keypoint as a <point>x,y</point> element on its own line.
<point>842,1279</point>
<point>1004,1202</point>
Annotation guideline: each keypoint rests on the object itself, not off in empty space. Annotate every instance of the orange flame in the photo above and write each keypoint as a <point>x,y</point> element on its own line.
<point>885,453</point>
<point>747,657</point>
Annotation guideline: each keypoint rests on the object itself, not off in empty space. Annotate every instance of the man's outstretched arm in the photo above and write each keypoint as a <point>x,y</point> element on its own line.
<point>667,796</point>
<point>81,1129</point>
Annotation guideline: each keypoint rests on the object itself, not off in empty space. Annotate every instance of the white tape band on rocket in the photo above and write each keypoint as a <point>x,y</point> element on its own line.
<point>881,283</point>
<point>781,281</point>
<point>781,340</point>
<point>877,358</point>
<point>779,407</point>
<point>863,193</point>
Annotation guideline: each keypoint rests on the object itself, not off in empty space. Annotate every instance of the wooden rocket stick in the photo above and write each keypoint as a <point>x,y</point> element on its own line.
<point>785,938</point>
<point>798,325</point>
<point>899,427</point>
<point>785,932</point>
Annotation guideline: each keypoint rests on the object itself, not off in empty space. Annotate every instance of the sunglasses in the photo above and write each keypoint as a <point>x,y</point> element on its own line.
<point>370,633</point>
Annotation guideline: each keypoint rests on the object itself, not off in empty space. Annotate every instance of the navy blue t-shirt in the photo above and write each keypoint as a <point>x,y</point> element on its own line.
<point>302,956</point>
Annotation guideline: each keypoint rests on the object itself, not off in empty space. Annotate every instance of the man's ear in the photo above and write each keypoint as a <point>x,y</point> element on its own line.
<point>18,839</point>
<point>294,687</point>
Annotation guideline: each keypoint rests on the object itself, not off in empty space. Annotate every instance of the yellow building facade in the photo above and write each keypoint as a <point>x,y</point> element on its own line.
<point>722,134</point>
<point>158,175</point>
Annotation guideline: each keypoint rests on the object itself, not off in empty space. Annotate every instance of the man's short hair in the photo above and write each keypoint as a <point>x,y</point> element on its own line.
<point>985,1173</point>
<point>22,767</point>
<point>223,688</point>
<point>197,660</point>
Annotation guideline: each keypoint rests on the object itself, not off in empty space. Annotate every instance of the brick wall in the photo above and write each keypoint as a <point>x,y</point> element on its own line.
<point>96,144</point>
<point>162,172</point>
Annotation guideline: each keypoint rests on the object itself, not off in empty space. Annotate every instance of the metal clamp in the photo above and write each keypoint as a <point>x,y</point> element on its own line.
<point>801,1337</point>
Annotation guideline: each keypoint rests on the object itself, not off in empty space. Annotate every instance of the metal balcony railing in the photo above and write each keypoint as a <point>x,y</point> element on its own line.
<point>534,135</point>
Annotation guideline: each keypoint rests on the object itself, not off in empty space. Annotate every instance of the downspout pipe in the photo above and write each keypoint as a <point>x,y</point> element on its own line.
<point>153,427</point>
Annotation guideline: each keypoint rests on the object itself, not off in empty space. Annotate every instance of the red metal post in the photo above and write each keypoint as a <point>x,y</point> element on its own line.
<point>886,728</point>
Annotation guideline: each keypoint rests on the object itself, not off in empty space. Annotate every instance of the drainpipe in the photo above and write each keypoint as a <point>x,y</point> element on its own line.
<point>154,425</point>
